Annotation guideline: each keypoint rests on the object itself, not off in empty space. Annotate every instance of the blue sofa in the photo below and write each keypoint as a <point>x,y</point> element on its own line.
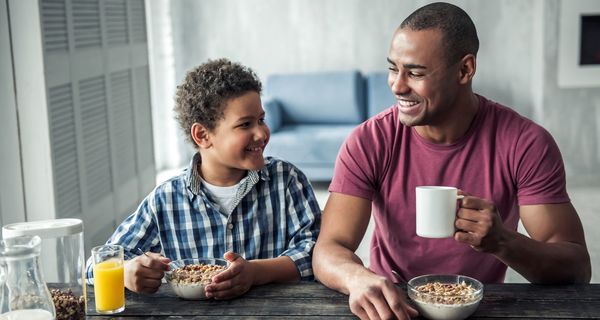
<point>311,114</point>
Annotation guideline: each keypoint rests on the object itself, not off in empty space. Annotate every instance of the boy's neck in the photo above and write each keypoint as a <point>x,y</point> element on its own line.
<point>220,177</point>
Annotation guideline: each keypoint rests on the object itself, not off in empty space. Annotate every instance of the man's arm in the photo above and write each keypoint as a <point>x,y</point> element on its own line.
<point>345,220</point>
<point>560,254</point>
<point>555,253</point>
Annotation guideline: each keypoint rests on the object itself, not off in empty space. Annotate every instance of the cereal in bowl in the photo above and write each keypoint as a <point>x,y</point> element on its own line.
<point>196,273</point>
<point>445,297</point>
<point>446,293</point>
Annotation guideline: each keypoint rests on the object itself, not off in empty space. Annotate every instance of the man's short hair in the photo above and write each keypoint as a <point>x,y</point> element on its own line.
<point>458,30</point>
<point>202,96</point>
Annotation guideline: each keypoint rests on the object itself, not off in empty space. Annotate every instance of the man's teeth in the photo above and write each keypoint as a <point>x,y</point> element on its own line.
<point>405,103</point>
<point>254,149</point>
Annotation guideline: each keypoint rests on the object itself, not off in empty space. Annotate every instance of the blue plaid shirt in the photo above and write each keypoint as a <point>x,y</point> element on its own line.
<point>275,214</point>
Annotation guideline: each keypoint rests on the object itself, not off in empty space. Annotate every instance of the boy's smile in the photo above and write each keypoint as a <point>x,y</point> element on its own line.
<point>237,143</point>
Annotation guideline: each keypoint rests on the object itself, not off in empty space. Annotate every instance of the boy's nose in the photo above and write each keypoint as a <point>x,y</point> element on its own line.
<point>261,133</point>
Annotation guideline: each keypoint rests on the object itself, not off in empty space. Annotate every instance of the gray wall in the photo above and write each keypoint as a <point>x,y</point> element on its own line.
<point>517,63</point>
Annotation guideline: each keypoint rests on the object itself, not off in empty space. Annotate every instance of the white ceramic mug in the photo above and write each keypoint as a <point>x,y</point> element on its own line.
<point>436,211</point>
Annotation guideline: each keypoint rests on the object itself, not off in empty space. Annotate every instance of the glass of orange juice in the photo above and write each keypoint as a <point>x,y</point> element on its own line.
<point>109,281</point>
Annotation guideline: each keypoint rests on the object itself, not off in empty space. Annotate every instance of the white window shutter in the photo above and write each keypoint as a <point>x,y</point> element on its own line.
<point>82,82</point>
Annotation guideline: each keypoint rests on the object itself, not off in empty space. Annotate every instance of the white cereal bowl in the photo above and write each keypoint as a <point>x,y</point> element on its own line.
<point>192,290</point>
<point>445,306</point>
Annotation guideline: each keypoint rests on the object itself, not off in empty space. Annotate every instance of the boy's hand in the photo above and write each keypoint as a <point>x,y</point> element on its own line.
<point>143,273</point>
<point>233,282</point>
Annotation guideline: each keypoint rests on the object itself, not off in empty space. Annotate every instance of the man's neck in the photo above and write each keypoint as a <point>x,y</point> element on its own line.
<point>455,125</point>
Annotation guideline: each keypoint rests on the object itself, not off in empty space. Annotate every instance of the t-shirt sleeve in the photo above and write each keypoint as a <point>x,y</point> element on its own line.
<point>540,171</point>
<point>358,164</point>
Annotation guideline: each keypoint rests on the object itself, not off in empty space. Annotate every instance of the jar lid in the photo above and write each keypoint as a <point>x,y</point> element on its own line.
<point>43,228</point>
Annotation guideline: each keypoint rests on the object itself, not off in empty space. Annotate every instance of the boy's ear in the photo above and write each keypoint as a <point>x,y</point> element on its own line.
<point>200,134</point>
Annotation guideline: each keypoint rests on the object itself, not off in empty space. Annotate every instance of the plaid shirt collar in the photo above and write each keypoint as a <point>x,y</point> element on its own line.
<point>194,179</point>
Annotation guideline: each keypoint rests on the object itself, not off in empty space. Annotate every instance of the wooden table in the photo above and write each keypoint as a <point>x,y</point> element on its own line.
<point>313,300</point>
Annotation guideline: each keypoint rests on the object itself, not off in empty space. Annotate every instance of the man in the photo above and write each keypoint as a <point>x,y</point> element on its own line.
<point>441,133</point>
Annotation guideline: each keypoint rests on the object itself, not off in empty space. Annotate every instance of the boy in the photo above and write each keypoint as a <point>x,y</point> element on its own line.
<point>258,213</point>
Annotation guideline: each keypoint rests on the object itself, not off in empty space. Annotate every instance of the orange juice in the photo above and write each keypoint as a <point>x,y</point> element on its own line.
<point>109,285</point>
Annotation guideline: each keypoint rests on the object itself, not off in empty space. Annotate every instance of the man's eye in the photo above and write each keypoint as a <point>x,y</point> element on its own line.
<point>415,75</point>
<point>261,120</point>
<point>393,69</point>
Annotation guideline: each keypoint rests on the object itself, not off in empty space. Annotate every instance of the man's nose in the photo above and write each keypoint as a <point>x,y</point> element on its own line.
<point>398,84</point>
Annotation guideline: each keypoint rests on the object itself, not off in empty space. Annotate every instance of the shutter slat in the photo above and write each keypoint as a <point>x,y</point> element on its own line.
<point>95,138</point>
<point>64,151</point>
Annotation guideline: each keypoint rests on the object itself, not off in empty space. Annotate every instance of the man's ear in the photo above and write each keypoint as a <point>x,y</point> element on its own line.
<point>201,136</point>
<point>468,65</point>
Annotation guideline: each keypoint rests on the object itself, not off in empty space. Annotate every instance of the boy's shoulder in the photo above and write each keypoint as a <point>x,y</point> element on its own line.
<point>275,167</point>
<point>174,184</point>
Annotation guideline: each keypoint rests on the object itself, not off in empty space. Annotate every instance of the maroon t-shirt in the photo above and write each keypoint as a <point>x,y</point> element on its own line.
<point>503,157</point>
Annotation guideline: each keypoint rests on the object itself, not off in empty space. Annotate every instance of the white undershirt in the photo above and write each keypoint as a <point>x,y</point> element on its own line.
<point>223,196</point>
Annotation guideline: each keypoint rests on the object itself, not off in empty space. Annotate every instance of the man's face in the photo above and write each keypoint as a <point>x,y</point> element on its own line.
<point>239,139</point>
<point>420,77</point>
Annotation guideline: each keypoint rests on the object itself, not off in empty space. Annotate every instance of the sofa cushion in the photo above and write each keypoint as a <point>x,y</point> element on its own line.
<point>272,113</point>
<point>319,98</point>
<point>308,144</point>
<point>380,97</point>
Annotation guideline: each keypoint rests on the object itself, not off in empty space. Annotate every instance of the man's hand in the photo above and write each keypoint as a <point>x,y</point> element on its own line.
<point>375,297</point>
<point>233,282</point>
<point>143,273</point>
<point>479,225</point>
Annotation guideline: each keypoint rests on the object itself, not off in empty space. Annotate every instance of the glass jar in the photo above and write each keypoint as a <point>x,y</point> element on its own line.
<point>23,292</point>
<point>62,261</point>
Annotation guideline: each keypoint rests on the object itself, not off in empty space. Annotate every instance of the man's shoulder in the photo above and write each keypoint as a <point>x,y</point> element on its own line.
<point>377,127</point>
<point>383,119</point>
<point>506,118</point>
<point>511,129</point>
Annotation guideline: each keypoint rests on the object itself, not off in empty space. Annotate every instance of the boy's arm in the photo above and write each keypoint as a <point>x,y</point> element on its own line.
<point>303,223</point>
<point>139,230</point>
<point>280,269</point>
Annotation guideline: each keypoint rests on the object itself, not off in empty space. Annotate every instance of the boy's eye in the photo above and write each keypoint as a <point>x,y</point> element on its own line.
<point>245,124</point>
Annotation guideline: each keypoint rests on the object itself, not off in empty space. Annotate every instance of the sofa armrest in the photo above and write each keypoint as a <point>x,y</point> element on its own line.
<point>273,116</point>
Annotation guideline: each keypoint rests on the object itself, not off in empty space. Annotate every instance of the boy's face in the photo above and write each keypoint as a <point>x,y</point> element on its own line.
<point>239,139</point>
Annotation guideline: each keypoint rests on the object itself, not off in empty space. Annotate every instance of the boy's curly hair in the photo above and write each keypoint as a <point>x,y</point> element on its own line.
<point>202,96</point>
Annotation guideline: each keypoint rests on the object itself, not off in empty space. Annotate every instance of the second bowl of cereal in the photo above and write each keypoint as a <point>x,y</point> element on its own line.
<point>188,277</point>
<point>445,297</point>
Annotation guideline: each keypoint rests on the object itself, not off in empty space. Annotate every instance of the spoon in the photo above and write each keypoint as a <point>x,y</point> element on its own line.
<point>141,252</point>
<point>398,277</point>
